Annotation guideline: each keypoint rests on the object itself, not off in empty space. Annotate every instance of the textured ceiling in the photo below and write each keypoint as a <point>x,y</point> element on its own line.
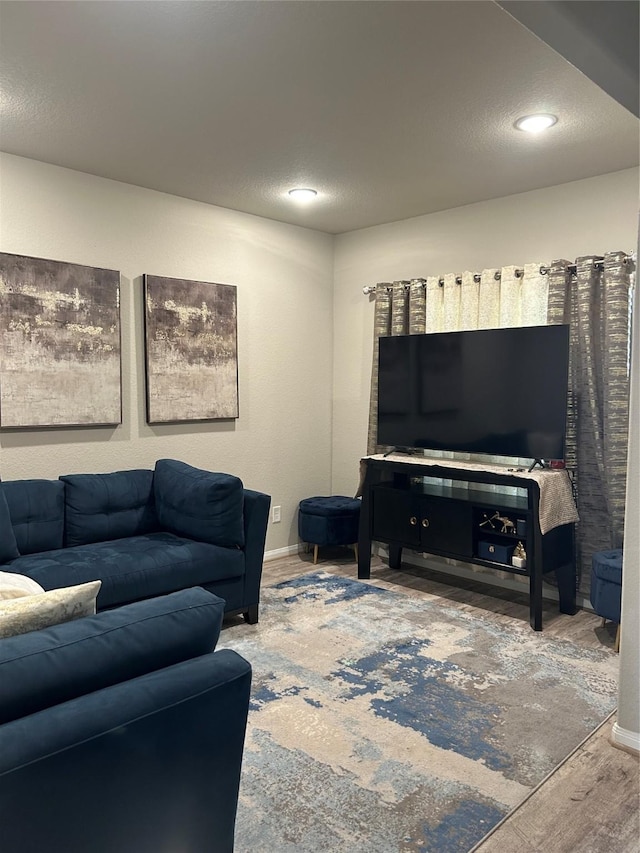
<point>388,109</point>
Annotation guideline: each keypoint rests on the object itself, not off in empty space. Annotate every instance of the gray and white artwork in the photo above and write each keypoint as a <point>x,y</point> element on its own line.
<point>60,335</point>
<point>191,350</point>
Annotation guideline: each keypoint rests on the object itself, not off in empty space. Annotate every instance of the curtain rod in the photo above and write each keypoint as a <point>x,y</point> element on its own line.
<point>572,269</point>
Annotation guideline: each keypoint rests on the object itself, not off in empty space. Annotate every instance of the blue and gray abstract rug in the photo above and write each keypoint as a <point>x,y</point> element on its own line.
<point>384,723</point>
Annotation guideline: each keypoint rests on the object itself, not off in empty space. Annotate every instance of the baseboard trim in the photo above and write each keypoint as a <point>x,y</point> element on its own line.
<point>625,739</point>
<point>281,552</point>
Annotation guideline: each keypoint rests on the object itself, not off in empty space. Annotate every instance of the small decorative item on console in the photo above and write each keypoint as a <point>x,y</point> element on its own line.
<point>506,525</point>
<point>519,559</point>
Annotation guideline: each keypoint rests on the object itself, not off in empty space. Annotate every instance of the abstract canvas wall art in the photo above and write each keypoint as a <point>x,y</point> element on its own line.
<point>60,336</point>
<point>191,350</point>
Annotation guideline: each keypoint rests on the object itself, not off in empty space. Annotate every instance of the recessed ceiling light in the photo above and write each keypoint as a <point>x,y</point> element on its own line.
<point>536,123</point>
<point>303,194</point>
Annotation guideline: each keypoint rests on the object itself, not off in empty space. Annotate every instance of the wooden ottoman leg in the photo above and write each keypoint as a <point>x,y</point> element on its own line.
<point>355,550</point>
<point>315,554</point>
<point>617,645</point>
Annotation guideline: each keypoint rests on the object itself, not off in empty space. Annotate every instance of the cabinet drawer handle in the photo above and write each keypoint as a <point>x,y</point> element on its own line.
<point>425,522</point>
<point>413,521</point>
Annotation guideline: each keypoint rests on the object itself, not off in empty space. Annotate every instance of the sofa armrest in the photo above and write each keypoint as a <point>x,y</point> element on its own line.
<point>151,765</point>
<point>256,519</point>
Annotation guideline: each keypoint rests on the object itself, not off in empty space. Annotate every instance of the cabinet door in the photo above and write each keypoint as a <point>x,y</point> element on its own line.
<point>445,526</point>
<point>395,517</point>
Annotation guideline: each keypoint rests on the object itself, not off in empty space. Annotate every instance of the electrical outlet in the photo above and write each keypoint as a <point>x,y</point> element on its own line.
<point>275,514</point>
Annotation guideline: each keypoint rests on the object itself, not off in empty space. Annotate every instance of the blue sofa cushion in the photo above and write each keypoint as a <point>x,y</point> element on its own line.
<point>36,508</point>
<point>8,545</point>
<point>134,568</point>
<point>45,668</point>
<point>199,504</point>
<point>101,507</point>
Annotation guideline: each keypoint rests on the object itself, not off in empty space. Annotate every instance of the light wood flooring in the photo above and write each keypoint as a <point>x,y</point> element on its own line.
<point>590,803</point>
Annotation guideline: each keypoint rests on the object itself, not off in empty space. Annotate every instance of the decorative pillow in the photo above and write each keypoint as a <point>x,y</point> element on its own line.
<point>8,545</point>
<point>13,585</point>
<point>34,612</point>
<point>199,504</point>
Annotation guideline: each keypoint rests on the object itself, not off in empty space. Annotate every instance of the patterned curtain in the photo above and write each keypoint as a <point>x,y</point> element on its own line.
<point>400,310</point>
<point>596,302</point>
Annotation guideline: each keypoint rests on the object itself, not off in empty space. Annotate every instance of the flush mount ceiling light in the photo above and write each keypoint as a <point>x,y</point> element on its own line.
<point>303,194</point>
<point>536,123</point>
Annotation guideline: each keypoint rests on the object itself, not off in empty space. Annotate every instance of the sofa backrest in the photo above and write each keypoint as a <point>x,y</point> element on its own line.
<point>36,508</point>
<point>199,504</point>
<point>103,507</point>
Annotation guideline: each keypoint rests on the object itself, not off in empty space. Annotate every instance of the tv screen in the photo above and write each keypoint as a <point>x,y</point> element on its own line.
<point>496,391</point>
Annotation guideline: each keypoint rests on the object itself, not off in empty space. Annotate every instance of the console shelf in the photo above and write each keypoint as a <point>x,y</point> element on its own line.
<point>469,524</point>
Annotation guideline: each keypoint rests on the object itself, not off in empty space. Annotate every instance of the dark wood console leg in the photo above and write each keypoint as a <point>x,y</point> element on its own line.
<point>364,531</point>
<point>395,556</point>
<point>251,614</point>
<point>535,563</point>
<point>535,599</point>
<point>566,577</point>
<point>364,560</point>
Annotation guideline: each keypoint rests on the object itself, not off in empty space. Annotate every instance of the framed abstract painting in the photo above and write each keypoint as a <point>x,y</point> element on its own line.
<point>60,336</point>
<point>191,350</point>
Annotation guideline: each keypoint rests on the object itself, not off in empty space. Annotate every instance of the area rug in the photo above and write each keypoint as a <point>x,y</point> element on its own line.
<point>381,722</point>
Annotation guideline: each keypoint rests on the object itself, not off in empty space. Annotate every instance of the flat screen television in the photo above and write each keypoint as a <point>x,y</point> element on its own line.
<point>497,391</point>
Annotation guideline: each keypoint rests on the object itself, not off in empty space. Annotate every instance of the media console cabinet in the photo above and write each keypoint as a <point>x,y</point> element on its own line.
<point>401,510</point>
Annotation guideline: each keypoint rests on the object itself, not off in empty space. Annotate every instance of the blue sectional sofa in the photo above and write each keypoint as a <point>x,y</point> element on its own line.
<point>141,532</point>
<point>123,731</point>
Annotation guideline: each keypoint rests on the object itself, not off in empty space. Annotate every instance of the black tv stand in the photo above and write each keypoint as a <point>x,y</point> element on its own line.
<point>408,451</point>
<point>466,524</point>
<point>534,463</point>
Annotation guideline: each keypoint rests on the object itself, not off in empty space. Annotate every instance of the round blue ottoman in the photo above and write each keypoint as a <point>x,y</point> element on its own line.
<point>606,586</point>
<point>329,520</point>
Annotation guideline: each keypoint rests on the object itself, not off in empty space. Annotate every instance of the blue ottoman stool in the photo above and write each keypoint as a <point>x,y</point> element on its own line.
<point>329,521</point>
<point>606,586</point>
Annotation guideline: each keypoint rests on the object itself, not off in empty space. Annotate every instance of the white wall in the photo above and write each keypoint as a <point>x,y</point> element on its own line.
<point>281,442</point>
<point>583,217</point>
<point>626,730</point>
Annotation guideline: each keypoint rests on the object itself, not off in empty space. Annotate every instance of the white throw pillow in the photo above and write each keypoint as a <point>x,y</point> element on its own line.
<point>13,585</point>
<point>34,612</point>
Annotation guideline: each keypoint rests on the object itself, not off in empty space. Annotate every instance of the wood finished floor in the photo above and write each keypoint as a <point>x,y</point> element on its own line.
<point>590,803</point>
